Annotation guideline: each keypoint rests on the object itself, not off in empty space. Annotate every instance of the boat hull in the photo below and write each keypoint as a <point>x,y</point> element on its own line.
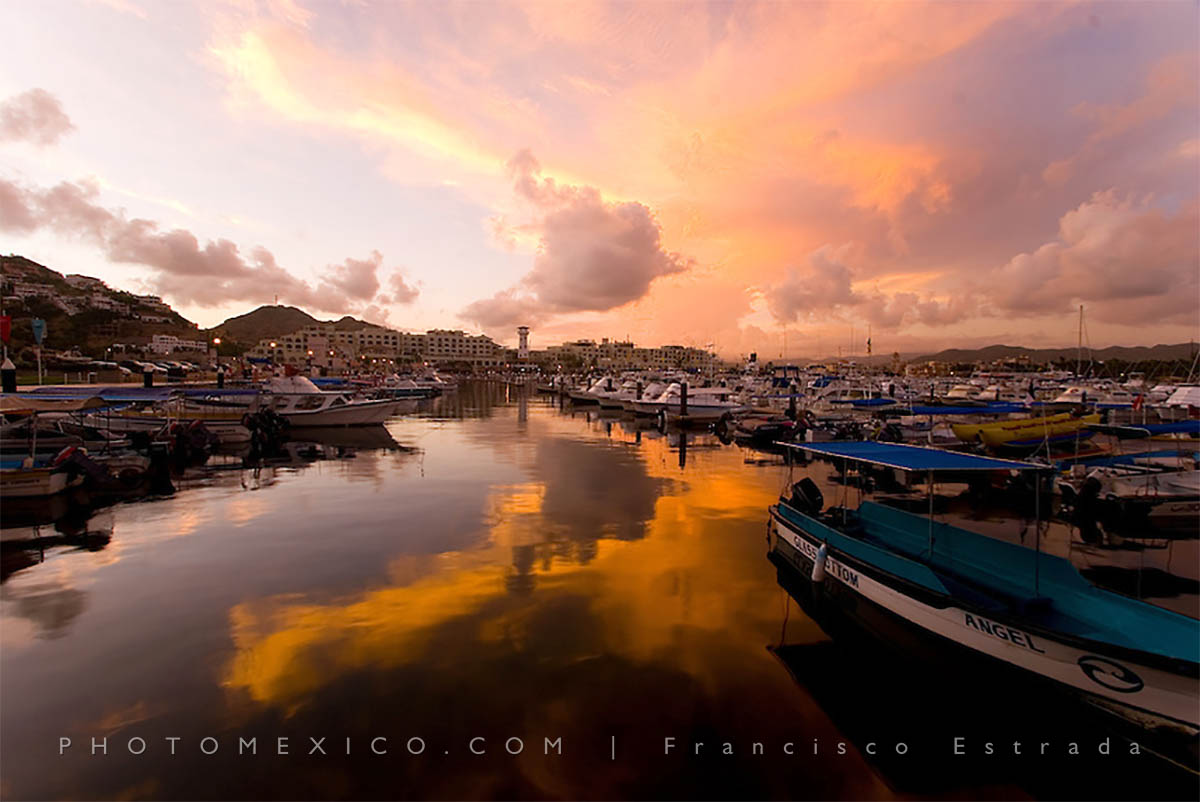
<point>367,413</point>
<point>1151,692</point>
<point>33,482</point>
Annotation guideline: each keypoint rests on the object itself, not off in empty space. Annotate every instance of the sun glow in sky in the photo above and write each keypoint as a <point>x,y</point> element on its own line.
<point>944,174</point>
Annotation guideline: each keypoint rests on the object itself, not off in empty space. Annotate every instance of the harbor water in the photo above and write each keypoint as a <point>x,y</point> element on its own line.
<point>494,596</point>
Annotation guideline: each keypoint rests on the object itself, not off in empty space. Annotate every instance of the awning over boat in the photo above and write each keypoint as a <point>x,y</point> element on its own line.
<point>915,458</point>
<point>111,394</point>
<point>23,404</point>
<point>1136,431</point>
<point>989,409</point>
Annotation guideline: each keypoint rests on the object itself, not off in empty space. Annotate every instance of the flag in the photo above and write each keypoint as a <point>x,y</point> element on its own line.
<point>39,330</point>
<point>5,328</point>
<point>1137,402</point>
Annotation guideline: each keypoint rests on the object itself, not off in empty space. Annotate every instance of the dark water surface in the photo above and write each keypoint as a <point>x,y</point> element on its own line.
<point>489,567</point>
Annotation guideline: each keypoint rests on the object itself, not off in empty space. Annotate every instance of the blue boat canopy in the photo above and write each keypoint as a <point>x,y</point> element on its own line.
<point>1135,431</point>
<point>915,458</point>
<point>990,409</point>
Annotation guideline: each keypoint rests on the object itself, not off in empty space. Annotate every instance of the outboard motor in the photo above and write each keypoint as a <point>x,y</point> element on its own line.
<point>1087,510</point>
<point>807,497</point>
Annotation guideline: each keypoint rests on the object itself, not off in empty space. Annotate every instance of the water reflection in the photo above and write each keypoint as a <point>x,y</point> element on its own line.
<point>488,565</point>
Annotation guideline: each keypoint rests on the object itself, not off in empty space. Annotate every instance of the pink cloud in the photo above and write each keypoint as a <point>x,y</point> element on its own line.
<point>1129,259</point>
<point>35,116</point>
<point>186,271</point>
<point>592,255</point>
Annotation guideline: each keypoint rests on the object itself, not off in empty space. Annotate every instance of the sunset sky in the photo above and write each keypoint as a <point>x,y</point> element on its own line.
<point>946,174</point>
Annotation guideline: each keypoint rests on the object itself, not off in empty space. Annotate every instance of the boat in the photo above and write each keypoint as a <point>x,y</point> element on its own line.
<point>398,387</point>
<point>1014,606</point>
<point>29,479</point>
<point>300,402</point>
<point>1027,432</point>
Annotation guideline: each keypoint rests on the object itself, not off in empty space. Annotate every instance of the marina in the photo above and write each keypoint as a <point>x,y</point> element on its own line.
<point>541,569</point>
<point>508,400</point>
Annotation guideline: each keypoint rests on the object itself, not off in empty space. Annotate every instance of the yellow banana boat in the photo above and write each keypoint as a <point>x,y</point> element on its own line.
<point>1026,431</point>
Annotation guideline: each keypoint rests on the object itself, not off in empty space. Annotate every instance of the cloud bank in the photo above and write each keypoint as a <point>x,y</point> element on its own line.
<point>186,271</point>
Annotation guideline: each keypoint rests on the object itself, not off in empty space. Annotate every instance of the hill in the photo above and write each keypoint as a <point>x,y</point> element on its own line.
<point>276,321</point>
<point>80,311</point>
<point>1136,353</point>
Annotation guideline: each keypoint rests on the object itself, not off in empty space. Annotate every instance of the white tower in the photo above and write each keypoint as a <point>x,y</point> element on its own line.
<point>522,342</point>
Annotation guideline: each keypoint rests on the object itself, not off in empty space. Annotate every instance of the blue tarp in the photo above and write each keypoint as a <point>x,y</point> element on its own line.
<point>915,458</point>
<point>117,393</point>
<point>131,393</point>
<point>1128,459</point>
<point>990,409</point>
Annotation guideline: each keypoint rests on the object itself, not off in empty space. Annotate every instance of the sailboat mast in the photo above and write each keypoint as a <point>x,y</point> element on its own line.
<point>1079,346</point>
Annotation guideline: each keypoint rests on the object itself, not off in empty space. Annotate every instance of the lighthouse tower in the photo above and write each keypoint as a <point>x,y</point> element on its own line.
<point>522,342</point>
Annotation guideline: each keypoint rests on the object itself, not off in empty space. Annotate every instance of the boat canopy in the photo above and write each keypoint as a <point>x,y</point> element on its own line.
<point>24,405</point>
<point>988,409</point>
<point>915,458</point>
<point>115,394</point>
<point>1136,431</point>
<point>130,393</point>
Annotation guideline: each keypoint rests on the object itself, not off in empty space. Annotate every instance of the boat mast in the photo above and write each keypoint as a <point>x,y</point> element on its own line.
<point>1079,346</point>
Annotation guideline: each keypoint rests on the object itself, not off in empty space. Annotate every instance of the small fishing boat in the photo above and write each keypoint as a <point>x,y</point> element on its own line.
<point>989,599</point>
<point>28,479</point>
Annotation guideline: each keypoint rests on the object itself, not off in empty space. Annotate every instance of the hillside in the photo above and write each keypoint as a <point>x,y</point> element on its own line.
<point>1137,353</point>
<point>275,321</point>
<point>80,311</point>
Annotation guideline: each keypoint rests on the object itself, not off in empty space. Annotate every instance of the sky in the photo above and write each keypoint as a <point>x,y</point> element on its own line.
<point>786,178</point>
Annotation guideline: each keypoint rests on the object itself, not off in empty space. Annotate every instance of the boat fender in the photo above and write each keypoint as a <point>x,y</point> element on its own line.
<point>818,571</point>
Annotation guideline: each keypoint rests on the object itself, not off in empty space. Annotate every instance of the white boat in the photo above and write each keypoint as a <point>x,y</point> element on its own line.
<point>704,404</point>
<point>302,403</point>
<point>28,481</point>
<point>650,391</point>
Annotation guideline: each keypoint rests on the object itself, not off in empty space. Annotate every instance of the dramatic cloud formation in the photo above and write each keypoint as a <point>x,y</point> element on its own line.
<point>35,116</point>
<point>823,164</point>
<point>824,285</point>
<point>1134,261</point>
<point>592,255</point>
<point>186,271</point>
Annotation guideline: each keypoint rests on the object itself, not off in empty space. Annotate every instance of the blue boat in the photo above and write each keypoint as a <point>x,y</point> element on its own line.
<point>1016,607</point>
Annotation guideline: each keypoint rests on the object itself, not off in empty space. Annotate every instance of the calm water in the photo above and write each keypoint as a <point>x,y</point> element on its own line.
<point>489,567</point>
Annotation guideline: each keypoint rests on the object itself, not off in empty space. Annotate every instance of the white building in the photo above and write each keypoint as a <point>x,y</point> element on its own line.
<point>85,282</point>
<point>374,348</point>
<point>169,343</point>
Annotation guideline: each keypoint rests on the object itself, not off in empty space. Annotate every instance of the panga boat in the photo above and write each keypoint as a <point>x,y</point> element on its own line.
<point>960,590</point>
<point>1026,432</point>
<point>24,479</point>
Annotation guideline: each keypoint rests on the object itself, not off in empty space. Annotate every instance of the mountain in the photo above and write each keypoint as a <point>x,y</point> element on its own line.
<point>1136,353</point>
<point>276,321</point>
